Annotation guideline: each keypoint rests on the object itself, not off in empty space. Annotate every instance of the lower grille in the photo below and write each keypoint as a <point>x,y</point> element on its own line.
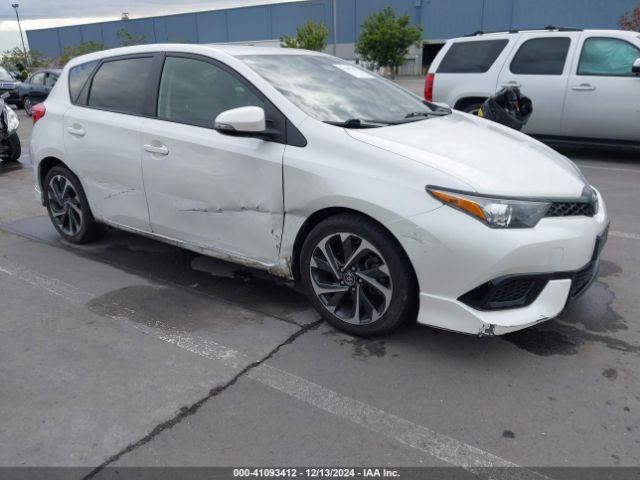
<point>508,292</point>
<point>518,291</point>
<point>512,292</point>
<point>523,290</point>
<point>582,279</point>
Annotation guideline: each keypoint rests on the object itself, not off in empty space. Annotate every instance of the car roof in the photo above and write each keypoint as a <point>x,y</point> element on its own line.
<point>203,49</point>
<point>239,50</point>
<point>551,30</point>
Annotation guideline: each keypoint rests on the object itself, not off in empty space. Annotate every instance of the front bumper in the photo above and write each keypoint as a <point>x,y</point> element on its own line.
<point>454,255</point>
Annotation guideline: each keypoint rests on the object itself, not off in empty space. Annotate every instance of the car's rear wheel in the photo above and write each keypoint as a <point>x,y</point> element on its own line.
<point>68,207</point>
<point>28,106</point>
<point>473,109</point>
<point>357,276</point>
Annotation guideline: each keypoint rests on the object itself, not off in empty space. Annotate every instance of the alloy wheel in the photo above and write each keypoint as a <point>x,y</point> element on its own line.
<point>351,278</point>
<point>64,205</point>
<point>28,106</point>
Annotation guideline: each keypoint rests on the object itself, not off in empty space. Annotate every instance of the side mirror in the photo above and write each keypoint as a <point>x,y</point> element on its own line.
<point>636,67</point>
<point>243,121</point>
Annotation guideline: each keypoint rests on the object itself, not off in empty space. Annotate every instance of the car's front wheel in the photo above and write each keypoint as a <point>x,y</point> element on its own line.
<point>357,276</point>
<point>28,106</point>
<point>68,207</point>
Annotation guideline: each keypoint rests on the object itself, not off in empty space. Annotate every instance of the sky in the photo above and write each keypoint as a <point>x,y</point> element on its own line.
<point>36,14</point>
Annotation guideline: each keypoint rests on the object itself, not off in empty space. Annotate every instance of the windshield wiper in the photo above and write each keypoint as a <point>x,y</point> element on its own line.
<point>357,123</point>
<point>435,113</point>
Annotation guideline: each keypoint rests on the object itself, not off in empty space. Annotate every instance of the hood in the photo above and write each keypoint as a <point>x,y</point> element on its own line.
<point>491,158</point>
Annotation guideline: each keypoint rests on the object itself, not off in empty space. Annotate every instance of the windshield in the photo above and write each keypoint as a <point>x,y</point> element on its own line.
<point>334,91</point>
<point>4,76</point>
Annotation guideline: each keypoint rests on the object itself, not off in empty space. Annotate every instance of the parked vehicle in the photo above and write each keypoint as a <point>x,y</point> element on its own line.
<point>311,168</point>
<point>10,148</point>
<point>10,86</point>
<point>37,88</point>
<point>585,85</point>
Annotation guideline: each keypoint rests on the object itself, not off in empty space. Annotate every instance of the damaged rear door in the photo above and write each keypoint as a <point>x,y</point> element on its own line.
<point>205,188</point>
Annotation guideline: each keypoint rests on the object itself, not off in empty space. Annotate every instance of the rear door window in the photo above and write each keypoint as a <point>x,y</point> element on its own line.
<point>121,85</point>
<point>541,56</point>
<point>50,80</point>
<point>472,57</point>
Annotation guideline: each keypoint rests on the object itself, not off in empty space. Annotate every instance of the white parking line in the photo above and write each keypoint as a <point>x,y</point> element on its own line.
<point>612,169</point>
<point>367,416</point>
<point>50,284</point>
<point>631,236</point>
<point>399,429</point>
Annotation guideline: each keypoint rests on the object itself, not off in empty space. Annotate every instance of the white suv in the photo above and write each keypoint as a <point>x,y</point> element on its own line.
<point>311,168</point>
<point>585,85</point>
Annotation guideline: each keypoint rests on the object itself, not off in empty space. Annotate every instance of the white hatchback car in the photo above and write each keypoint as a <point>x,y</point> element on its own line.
<point>306,166</point>
<point>585,85</point>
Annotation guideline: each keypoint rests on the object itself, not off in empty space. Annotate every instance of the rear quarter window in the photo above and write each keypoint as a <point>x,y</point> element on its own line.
<point>472,57</point>
<point>78,76</point>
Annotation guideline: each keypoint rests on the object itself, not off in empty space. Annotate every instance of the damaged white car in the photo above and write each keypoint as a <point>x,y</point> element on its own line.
<point>383,206</point>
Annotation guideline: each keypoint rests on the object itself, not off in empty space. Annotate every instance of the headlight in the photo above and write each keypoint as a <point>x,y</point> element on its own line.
<point>11,119</point>
<point>494,212</point>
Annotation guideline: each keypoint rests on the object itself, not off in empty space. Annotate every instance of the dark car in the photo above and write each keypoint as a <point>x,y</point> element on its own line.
<point>10,85</point>
<point>37,87</point>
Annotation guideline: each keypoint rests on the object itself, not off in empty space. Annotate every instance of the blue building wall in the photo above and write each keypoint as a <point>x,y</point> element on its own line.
<point>441,19</point>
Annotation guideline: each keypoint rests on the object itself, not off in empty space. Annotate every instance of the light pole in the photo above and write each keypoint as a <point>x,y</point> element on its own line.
<point>334,7</point>
<point>24,49</point>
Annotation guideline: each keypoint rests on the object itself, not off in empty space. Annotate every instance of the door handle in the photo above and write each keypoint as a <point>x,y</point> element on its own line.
<point>585,87</point>
<point>76,130</point>
<point>511,84</point>
<point>157,149</point>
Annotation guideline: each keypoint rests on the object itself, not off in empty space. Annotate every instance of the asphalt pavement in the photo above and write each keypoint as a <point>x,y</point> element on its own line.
<point>130,352</point>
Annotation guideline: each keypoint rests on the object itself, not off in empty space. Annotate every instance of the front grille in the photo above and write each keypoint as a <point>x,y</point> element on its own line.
<point>571,209</point>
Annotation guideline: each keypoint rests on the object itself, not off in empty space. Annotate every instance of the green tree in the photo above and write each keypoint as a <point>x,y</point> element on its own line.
<point>72,51</point>
<point>386,38</point>
<point>631,20</point>
<point>310,36</point>
<point>127,39</point>
<point>11,57</point>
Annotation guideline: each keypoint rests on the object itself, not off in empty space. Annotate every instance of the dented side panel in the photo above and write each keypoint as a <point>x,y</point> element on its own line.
<point>214,190</point>
<point>107,159</point>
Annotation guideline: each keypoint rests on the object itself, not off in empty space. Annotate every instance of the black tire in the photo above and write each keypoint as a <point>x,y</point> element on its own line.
<point>404,291</point>
<point>27,103</point>
<point>11,148</point>
<point>89,230</point>
<point>473,108</point>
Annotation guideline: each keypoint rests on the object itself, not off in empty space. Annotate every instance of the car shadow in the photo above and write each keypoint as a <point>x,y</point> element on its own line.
<point>589,319</point>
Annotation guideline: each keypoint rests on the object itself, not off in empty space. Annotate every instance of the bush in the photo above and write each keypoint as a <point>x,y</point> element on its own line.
<point>631,20</point>
<point>386,38</point>
<point>16,55</point>
<point>72,51</point>
<point>310,36</point>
